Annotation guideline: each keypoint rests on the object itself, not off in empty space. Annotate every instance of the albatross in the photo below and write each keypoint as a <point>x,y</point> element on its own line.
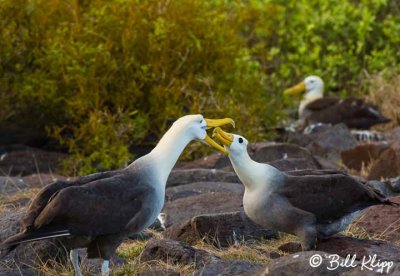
<point>99,211</point>
<point>309,204</point>
<point>315,108</point>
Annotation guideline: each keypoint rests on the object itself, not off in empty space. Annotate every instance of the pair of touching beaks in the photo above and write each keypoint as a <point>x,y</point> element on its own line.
<point>225,138</point>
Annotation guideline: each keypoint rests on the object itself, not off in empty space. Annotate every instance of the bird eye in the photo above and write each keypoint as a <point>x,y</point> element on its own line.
<point>240,140</point>
<point>201,121</point>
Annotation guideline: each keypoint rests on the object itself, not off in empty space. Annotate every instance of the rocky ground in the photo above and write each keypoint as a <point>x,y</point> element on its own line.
<point>207,232</point>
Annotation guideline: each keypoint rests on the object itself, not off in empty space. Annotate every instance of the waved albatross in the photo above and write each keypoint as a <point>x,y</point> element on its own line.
<point>99,211</point>
<point>314,108</point>
<point>308,204</point>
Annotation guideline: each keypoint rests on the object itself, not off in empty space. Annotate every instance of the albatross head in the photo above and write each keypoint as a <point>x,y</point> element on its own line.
<point>310,87</point>
<point>252,174</point>
<point>196,126</point>
<point>236,145</point>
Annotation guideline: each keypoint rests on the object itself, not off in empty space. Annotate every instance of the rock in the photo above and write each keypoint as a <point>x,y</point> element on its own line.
<point>40,180</point>
<point>330,143</point>
<point>213,161</point>
<point>176,252</point>
<point>184,208</point>
<point>386,270</point>
<point>387,165</point>
<point>219,229</point>
<point>382,222</point>
<point>26,160</point>
<point>10,185</point>
<point>198,188</point>
<point>362,155</point>
<point>274,255</point>
<point>327,164</point>
<point>292,164</point>
<point>181,177</point>
<point>268,152</point>
<point>316,128</point>
<point>27,255</point>
<point>343,246</point>
<point>229,267</point>
<point>290,247</point>
<point>299,139</point>
<point>394,134</point>
<point>299,264</point>
<point>10,223</point>
<point>360,247</point>
<point>159,272</point>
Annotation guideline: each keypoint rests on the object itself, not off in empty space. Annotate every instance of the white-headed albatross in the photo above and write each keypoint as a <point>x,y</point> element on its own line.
<point>99,211</point>
<point>315,108</point>
<point>308,204</point>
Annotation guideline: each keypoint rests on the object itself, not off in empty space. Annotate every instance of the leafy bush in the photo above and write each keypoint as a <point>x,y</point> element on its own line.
<point>335,39</point>
<point>101,76</point>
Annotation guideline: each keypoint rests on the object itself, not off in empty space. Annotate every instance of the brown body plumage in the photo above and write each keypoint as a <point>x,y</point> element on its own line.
<point>353,112</point>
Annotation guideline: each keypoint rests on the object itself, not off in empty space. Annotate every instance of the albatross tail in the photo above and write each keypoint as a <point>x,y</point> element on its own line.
<point>379,197</point>
<point>30,236</point>
<point>392,203</point>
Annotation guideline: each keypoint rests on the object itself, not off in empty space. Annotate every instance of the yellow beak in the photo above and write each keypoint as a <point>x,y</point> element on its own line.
<point>225,137</point>
<point>216,123</point>
<point>296,90</point>
<point>219,122</point>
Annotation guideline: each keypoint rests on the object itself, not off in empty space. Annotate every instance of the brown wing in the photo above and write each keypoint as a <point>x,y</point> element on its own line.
<point>42,198</point>
<point>322,103</point>
<point>101,207</point>
<point>329,197</point>
<point>353,112</point>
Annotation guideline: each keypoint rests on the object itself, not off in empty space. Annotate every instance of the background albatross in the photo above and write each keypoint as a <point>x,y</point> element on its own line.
<point>315,108</point>
<point>307,204</point>
<point>99,211</point>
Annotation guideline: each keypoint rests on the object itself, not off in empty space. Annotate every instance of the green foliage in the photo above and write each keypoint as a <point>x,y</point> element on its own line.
<point>101,76</point>
<point>335,39</point>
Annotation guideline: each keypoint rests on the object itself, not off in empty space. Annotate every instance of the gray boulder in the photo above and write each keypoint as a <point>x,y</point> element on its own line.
<point>176,252</point>
<point>305,263</point>
<point>182,177</point>
<point>330,143</point>
<point>187,201</point>
<point>221,230</point>
<point>229,267</point>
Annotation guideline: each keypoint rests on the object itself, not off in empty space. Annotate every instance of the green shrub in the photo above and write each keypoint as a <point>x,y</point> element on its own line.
<point>335,39</point>
<point>102,76</point>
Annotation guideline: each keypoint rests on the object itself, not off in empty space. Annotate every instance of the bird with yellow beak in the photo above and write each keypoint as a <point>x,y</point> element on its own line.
<point>99,211</point>
<point>314,108</point>
<point>306,203</point>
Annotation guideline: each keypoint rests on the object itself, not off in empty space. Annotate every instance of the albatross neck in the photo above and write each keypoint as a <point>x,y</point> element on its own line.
<point>309,97</point>
<point>254,175</point>
<point>165,155</point>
